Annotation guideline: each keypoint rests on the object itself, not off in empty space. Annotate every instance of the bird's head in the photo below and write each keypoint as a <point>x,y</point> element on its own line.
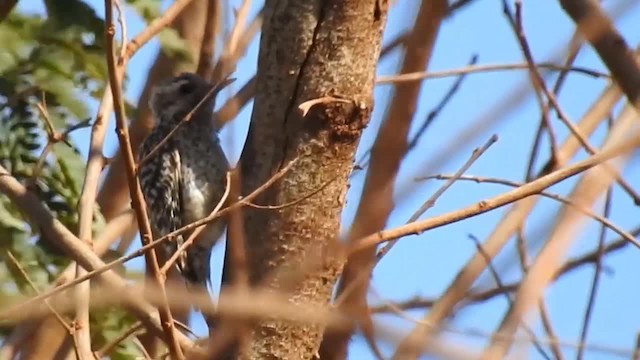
<point>173,99</point>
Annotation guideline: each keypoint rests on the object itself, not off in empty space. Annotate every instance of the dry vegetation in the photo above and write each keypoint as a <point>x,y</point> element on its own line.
<point>66,287</point>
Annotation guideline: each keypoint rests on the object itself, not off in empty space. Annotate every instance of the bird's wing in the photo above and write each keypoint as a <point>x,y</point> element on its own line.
<point>160,179</point>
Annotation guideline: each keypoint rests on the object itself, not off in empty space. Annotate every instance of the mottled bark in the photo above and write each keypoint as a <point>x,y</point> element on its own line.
<point>376,202</point>
<point>308,50</point>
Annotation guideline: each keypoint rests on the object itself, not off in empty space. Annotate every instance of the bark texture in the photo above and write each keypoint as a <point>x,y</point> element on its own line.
<point>308,50</point>
<point>376,202</point>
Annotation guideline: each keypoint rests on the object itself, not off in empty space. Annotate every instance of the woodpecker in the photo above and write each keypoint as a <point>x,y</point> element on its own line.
<point>184,179</point>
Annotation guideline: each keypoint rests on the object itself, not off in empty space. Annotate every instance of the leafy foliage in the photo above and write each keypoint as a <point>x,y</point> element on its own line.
<point>111,322</point>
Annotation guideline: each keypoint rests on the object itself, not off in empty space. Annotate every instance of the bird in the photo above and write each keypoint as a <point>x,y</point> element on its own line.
<point>183,180</point>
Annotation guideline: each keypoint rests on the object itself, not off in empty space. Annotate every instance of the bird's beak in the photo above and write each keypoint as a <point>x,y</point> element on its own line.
<point>220,85</point>
<point>211,91</point>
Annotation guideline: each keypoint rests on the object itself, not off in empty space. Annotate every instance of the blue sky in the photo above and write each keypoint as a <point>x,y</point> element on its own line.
<point>424,265</point>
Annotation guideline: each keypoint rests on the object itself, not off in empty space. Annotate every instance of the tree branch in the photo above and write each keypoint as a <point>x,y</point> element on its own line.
<point>613,50</point>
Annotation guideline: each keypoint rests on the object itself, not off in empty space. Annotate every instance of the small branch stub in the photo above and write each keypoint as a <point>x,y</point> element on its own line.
<point>343,118</point>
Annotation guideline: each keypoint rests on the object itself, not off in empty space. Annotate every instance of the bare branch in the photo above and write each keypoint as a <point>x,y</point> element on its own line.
<point>483,206</point>
<point>458,288</point>
<point>598,29</point>
<point>548,262</point>
<point>602,220</point>
<point>211,28</point>
<point>475,155</point>
<point>471,69</point>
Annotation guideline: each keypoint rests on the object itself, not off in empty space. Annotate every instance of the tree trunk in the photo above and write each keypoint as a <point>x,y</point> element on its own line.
<point>308,50</point>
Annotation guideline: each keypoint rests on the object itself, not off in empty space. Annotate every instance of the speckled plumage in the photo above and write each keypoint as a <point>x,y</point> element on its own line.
<point>185,178</point>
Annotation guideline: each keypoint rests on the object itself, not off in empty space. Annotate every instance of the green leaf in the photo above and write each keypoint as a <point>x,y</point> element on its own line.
<point>174,46</point>
<point>24,125</point>
<point>108,325</point>
<point>28,257</point>
<point>7,217</point>
<point>147,9</point>
<point>72,166</point>
<point>75,13</point>
<point>60,88</point>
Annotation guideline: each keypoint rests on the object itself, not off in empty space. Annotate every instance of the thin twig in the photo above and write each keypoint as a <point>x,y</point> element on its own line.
<point>500,284</point>
<point>446,98</point>
<point>602,220</point>
<point>475,155</point>
<point>207,46</point>
<point>544,314</point>
<point>53,137</point>
<point>574,47</point>
<point>292,202</point>
<point>597,271</point>
<point>111,345</point>
<point>484,295</point>
<point>564,118</point>
<point>470,69</point>
<point>483,206</point>
<point>431,116</point>
<point>538,85</point>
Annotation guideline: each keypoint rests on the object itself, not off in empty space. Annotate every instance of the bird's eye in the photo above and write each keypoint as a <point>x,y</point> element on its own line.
<point>186,88</point>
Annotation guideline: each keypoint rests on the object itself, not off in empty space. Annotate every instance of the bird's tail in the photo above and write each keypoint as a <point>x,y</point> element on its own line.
<point>196,271</point>
<point>196,291</point>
